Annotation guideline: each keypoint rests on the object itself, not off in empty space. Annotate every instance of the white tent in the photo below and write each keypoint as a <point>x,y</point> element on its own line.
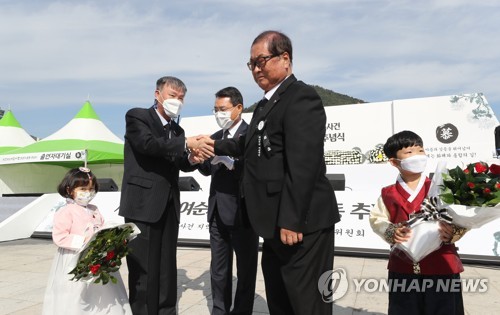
<point>39,167</point>
<point>12,135</point>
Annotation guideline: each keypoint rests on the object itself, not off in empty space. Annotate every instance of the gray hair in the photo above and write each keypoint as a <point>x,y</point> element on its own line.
<point>172,82</point>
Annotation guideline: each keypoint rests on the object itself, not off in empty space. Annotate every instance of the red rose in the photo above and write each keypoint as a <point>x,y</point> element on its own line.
<point>110,255</point>
<point>486,191</point>
<point>495,169</point>
<point>471,185</point>
<point>466,171</point>
<point>481,167</point>
<point>497,185</point>
<point>95,268</point>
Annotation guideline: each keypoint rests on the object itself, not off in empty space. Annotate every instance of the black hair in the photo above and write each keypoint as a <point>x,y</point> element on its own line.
<point>233,93</point>
<point>277,43</point>
<point>400,140</point>
<point>74,178</point>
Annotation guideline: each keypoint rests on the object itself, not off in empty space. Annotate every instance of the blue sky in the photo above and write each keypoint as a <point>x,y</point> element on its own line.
<point>55,54</point>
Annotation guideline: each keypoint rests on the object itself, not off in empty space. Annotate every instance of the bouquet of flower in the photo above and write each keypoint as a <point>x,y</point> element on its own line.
<point>472,196</point>
<point>101,256</point>
<point>468,198</point>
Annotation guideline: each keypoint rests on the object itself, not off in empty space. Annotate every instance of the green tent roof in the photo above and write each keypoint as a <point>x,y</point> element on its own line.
<point>8,120</point>
<point>87,112</point>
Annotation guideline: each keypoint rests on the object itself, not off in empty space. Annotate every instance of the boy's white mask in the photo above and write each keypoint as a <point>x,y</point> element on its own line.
<point>414,163</point>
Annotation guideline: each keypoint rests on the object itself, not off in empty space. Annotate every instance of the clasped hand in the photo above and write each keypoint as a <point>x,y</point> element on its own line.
<point>289,237</point>
<point>201,147</point>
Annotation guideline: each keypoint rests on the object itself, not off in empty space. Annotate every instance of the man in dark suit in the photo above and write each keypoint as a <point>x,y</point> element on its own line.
<point>228,230</point>
<point>289,200</point>
<point>155,151</point>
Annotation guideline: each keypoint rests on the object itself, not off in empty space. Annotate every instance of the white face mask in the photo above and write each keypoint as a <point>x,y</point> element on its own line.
<point>172,107</point>
<point>415,163</point>
<point>83,197</point>
<point>224,119</point>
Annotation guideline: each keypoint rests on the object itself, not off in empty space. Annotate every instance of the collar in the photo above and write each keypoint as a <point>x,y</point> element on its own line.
<point>413,193</point>
<point>233,129</point>
<point>163,120</point>
<point>270,94</point>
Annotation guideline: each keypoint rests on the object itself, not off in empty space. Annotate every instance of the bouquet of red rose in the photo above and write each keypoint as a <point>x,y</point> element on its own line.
<point>471,196</point>
<point>467,198</point>
<point>101,256</point>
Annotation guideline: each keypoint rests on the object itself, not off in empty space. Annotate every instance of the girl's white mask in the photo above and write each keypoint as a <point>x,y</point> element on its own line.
<point>83,197</point>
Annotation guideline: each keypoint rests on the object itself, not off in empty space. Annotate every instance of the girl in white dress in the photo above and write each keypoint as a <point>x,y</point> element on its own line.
<point>74,225</point>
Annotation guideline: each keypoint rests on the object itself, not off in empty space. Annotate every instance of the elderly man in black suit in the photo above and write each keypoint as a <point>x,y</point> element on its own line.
<point>229,232</point>
<point>155,151</point>
<point>290,202</point>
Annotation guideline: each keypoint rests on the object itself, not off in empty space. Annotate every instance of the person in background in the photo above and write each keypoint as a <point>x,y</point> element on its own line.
<point>229,230</point>
<point>289,201</point>
<point>405,151</point>
<point>155,150</point>
<point>74,225</point>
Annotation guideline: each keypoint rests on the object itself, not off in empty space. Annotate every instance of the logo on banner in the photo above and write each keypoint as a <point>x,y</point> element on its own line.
<point>447,133</point>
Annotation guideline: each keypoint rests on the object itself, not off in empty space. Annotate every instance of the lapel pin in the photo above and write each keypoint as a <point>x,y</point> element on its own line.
<point>260,126</point>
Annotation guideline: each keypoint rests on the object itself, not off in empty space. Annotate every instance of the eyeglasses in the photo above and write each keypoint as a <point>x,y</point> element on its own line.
<point>222,109</point>
<point>260,61</point>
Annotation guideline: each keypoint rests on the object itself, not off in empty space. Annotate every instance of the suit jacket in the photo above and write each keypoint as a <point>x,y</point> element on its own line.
<point>286,187</point>
<point>224,187</point>
<point>151,166</point>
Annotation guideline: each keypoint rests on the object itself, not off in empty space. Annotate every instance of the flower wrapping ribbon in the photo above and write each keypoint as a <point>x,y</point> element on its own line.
<point>430,211</point>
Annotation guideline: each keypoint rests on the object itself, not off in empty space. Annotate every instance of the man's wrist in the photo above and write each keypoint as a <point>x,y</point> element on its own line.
<point>186,145</point>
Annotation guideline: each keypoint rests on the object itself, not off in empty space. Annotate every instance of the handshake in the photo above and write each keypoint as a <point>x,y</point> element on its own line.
<point>201,148</point>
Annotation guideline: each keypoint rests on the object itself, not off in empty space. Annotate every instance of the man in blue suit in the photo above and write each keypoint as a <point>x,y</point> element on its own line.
<point>229,228</point>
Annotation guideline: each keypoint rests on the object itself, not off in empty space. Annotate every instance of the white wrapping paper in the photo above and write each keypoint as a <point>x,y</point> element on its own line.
<point>424,240</point>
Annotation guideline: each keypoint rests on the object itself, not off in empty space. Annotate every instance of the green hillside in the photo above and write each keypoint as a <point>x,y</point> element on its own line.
<point>329,98</point>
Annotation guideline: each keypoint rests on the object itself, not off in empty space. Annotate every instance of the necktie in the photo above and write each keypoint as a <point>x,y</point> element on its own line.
<point>166,130</point>
<point>225,134</point>
<point>262,104</point>
<point>259,107</point>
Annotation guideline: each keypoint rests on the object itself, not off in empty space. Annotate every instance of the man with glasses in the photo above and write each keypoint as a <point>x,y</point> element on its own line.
<point>290,202</point>
<point>228,225</point>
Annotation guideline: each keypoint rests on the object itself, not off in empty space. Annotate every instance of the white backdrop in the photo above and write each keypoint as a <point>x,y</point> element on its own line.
<point>458,129</point>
